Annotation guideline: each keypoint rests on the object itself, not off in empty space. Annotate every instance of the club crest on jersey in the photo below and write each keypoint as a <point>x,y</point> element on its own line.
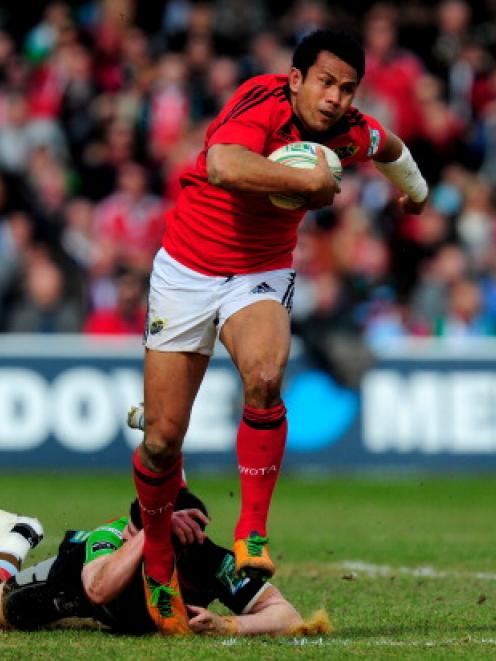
<point>347,151</point>
<point>375,138</point>
<point>157,325</point>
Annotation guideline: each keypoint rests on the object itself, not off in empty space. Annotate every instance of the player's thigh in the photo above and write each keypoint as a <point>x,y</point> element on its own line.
<point>258,338</point>
<point>172,380</point>
<point>182,309</point>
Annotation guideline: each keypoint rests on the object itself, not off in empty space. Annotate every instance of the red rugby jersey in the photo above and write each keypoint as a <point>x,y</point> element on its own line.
<point>219,232</point>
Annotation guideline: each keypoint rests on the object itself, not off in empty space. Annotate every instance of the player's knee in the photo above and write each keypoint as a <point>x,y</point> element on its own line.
<point>163,441</point>
<point>262,385</point>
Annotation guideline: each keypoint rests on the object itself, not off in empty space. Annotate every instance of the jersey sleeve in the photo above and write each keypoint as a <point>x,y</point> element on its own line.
<point>374,138</point>
<point>247,119</point>
<point>105,539</point>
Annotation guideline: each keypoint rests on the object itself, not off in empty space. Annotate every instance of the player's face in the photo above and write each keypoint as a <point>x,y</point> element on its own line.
<point>325,94</point>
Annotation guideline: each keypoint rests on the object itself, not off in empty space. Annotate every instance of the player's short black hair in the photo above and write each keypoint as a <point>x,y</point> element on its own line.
<point>341,43</point>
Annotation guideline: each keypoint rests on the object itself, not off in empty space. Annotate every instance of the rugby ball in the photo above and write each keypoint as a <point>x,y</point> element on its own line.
<point>302,155</point>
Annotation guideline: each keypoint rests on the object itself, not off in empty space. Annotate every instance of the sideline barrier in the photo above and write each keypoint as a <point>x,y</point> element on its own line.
<point>63,403</point>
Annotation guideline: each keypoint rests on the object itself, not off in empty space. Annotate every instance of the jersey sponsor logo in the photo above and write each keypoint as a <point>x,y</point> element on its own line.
<point>159,510</point>
<point>347,151</point>
<point>255,472</point>
<point>157,325</point>
<point>103,546</point>
<point>228,577</point>
<point>262,288</point>
<point>375,138</point>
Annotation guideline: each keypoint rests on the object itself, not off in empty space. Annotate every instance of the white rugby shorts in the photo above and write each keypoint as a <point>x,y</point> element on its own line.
<point>187,309</point>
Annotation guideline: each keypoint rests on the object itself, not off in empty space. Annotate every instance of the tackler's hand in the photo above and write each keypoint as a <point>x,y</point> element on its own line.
<point>186,526</point>
<point>206,622</point>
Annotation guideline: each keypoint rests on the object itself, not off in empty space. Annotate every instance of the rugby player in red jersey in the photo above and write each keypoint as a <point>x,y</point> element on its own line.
<point>225,269</point>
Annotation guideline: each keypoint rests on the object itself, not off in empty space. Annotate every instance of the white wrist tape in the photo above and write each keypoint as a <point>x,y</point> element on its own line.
<point>404,173</point>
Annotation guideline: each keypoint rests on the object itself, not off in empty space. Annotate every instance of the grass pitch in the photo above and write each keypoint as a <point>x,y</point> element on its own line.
<point>406,568</point>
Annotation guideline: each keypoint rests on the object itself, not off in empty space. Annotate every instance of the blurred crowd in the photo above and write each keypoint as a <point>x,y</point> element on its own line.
<point>103,104</point>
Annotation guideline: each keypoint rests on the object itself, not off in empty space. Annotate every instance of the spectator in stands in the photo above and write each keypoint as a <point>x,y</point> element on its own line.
<point>391,72</point>
<point>437,277</point>
<point>266,55</point>
<point>169,107</point>
<point>96,108</point>
<point>476,225</point>
<point>488,130</point>
<point>440,135</point>
<point>47,188</point>
<point>304,17</point>
<point>129,222</point>
<point>77,93</point>
<point>44,306</point>
<point>43,38</point>
<point>128,315</point>
<point>15,239</point>
<point>464,317</point>
<point>77,237</point>
<point>453,20</point>
<point>236,21</point>
<point>101,159</point>
<point>20,135</point>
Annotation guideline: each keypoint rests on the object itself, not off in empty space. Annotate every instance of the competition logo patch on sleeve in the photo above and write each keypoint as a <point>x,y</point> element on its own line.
<point>375,138</point>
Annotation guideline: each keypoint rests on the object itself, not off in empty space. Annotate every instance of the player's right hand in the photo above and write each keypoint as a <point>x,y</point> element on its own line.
<point>204,621</point>
<point>186,528</point>
<point>324,185</point>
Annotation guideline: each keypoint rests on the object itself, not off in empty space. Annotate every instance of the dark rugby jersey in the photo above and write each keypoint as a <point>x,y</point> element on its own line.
<point>206,573</point>
<point>220,232</point>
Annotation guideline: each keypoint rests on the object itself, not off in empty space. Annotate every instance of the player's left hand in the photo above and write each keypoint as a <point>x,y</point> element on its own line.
<point>186,528</point>
<point>408,206</point>
<point>204,621</point>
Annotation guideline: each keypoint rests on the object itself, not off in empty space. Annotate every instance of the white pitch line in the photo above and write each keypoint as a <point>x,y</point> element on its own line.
<point>348,642</point>
<point>421,572</point>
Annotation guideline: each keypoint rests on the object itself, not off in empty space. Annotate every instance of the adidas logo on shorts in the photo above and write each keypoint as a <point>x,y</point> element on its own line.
<point>262,288</point>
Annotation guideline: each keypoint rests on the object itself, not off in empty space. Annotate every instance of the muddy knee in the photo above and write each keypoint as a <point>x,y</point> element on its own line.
<point>262,385</point>
<point>162,443</point>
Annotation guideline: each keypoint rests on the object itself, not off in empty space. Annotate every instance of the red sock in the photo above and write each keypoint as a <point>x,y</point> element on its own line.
<point>260,448</point>
<point>157,493</point>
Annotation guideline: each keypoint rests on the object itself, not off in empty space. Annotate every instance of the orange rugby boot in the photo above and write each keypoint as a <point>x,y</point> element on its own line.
<point>252,558</point>
<point>166,607</point>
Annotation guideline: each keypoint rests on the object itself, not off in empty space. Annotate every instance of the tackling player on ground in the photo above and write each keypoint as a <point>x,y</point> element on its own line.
<point>97,574</point>
<point>225,269</point>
